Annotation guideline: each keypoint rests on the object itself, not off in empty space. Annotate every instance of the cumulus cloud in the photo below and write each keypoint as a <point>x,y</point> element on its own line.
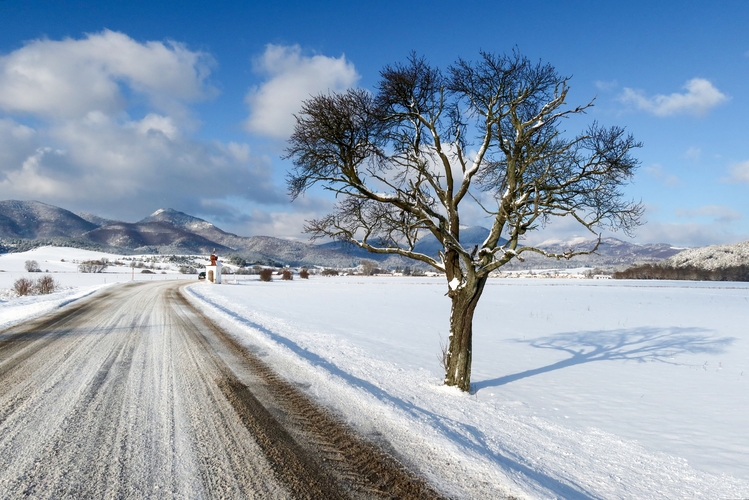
<point>131,169</point>
<point>739,172</point>
<point>98,125</point>
<point>70,78</point>
<point>700,96</point>
<point>292,78</point>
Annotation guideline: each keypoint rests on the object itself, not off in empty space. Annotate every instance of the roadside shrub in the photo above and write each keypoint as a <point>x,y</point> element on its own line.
<point>287,275</point>
<point>45,285</point>
<point>147,271</point>
<point>329,272</point>
<point>266,275</point>
<point>23,286</point>
<point>304,274</point>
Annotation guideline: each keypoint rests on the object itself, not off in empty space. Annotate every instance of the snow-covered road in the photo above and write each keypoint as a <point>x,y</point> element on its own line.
<point>132,394</point>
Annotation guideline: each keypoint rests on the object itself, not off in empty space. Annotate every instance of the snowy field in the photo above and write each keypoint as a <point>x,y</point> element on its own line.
<point>582,389</point>
<point>62,265</point>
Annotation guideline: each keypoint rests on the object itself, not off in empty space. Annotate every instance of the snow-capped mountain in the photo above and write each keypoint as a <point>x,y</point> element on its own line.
<point>169,231</point>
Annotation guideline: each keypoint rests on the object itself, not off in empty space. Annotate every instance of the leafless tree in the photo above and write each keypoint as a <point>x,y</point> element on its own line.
<point>368,267</point>
<point>94,266</point>
<point>404,161</point>
<point>32,266</point>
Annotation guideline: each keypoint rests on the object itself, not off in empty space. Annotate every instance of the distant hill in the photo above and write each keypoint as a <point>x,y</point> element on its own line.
<point>713,257</point>
<point>95,219</point>
<point>153,235</point>
<point>33,219</point>
<point>713,263</point>
<point>612,253</point>
<point>25,224</point>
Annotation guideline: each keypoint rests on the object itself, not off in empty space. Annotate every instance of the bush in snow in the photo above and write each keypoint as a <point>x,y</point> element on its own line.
<point>23,286</point>
<point>287,275</point>
<point>304,274</point>
<point>45,285</point>
<point>329,272</point>
<point>266,275</point>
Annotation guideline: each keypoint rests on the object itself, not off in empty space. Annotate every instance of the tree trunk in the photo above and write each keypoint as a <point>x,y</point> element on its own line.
<point>460,349</point>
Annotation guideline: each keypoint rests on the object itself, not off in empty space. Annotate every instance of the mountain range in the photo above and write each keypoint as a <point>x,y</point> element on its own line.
<point>25,224</point>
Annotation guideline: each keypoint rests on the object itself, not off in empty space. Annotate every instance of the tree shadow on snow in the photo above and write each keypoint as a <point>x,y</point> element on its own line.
<point>461,433</point>
<point>645,344</point>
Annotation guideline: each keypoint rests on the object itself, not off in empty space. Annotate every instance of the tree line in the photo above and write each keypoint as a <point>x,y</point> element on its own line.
<point>660,271</point>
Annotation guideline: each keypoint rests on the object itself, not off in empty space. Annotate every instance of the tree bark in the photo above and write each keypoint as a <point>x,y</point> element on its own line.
<point>460,350</point>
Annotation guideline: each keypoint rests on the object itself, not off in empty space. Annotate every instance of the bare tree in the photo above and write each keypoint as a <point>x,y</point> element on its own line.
<point>368,267</point>
<point>94,266</point>
<point>32,266</point>
<point>405,160</point>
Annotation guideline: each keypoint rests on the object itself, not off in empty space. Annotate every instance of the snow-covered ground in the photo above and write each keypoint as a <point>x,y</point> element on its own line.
<point>62,265</point>
<point>582,388</point>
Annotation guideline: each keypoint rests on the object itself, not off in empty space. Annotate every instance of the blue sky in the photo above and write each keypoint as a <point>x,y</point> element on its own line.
<point>121,108</point>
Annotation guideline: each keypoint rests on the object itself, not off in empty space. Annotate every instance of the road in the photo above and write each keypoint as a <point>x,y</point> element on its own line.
<point>132,393</point>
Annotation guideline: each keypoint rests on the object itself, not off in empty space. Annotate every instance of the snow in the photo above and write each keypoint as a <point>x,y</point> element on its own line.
<point>62,265</point>
<point>581,388</point>
<point>713,257</point>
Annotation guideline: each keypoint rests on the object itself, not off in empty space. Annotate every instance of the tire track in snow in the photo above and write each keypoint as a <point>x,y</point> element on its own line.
<point>131,393</point>
<point>96,406</point>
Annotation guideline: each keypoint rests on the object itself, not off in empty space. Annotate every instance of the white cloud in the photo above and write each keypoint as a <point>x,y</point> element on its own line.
<point>688,234</point>
<point>693,154</point>
<point>739,172</point>
<point>292,78</point>
<point>86,152</point>
<point>658,172</point>
<point>70,78</point>
<point>700,97</point>
<point>717,212</point>
<point>606,86</point>
<point>130,169</point>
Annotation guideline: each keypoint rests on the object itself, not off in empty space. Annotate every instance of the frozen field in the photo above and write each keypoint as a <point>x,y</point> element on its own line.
<point>582,389</point>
